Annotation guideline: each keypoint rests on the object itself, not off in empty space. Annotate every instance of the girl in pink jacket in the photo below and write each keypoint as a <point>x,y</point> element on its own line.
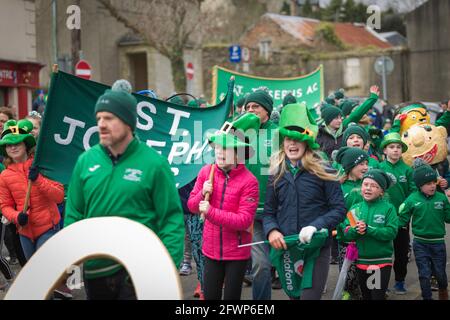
<point>229,213</point>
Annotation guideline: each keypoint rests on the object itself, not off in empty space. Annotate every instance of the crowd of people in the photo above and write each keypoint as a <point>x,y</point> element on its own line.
<point>274,175</point>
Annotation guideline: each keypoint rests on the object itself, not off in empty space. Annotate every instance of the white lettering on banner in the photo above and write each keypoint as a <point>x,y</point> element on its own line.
<point>312,89</point>
<point>154,143</point>
<point>177,117</point>
<point>178,149</point>
<point>141,105</point>
<point>196,150</point>
<point>175,172</point>
<point>87,137</point>
<point>238,89</point>
<point>73,125</point>
<point>287,264</point>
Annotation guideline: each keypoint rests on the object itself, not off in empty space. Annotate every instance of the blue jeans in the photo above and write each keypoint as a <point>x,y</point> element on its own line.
<point>430,257</point>
<point>261,266</point>
<point>30,247</point>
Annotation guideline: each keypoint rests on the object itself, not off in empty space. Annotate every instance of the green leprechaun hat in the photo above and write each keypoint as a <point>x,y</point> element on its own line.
<point>393,137</point>
<point>233,134</point>
<point>296,122</point>
<point>15,132</point>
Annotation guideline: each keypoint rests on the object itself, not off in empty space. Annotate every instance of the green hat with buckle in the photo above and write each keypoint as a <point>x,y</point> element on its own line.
<point>296,122</point>
<point>235,134</point>
<point>393,137</point>
<point>15,132</point>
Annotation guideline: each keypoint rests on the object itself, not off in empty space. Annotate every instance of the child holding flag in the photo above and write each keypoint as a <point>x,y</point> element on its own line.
<point>303,195</point>
<point>354,162</point>
<point>230,210</point>
<point>374,232</point>
<point>430,210</point>
<point>403,185</point>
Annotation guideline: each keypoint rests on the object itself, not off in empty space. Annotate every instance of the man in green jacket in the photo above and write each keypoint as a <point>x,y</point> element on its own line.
<point>261,104</point>
<point>123,177</point>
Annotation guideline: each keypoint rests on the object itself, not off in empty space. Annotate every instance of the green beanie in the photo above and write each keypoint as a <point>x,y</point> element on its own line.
<point>329,113</point>
<point>330,100</point>
<point>350,157</point>
<point>193,104</point>
<point>354,129</point>
<point>120,103</point>
<point>240,103</point>
<point>289,99</point>
<point>381,177</point>
<point>347,106</point>
<point>339,94</point>
<point>262,98</point>
<point>177,100</point>
<point>423,173</point>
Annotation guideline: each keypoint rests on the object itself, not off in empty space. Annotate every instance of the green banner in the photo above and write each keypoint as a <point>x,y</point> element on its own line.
<point>177,132</point>
<point>308,88</point>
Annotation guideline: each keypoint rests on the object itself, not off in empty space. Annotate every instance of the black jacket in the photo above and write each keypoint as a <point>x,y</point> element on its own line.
<point>305,200</point>
<point>327,142</point>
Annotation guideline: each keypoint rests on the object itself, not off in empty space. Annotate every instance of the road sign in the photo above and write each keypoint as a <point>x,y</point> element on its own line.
<point>190,71</point>
<point>245,54</point>
<point>235,54</point>
<point>388,65</point>
<point>384,66</point>
<point>83,70</point>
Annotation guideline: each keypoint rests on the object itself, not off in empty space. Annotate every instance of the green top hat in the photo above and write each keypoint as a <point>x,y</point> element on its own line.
<point>15,132</point>
<point>393,137</point>
<point>234,134</point>
<point>296,122</point>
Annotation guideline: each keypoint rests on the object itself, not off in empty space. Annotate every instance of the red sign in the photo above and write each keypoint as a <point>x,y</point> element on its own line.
<point>190,71</point>
<point>83,70</point>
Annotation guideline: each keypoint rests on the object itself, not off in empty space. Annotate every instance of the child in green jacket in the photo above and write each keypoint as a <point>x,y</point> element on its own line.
<point>374,232</point>
<point>354,164</point>
<point>430,210</point>
<point>357,137</point>
<point>403,185</point>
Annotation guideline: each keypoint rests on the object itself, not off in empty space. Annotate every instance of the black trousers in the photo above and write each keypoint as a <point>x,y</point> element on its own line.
<point>378,282</point>
<point>217,273</point>
<point>12,242</point>
<point>115,287</point>
<point>401,248</point>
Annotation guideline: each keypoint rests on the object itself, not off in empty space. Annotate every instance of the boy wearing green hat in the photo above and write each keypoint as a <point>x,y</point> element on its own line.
<point>356,136</point>
<point>403,185</point>
<point>260,103</point>
<point>122,176</point>
<point>374,232</point>
<point>430,211</point>
<point>330,132</point>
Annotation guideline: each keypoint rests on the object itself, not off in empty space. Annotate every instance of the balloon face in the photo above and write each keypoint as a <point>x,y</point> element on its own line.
<point>414,116</point>
<point>427,142</point>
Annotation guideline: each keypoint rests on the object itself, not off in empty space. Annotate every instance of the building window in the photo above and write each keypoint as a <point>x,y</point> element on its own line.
<point>264,49</point>
<point>352,73</point>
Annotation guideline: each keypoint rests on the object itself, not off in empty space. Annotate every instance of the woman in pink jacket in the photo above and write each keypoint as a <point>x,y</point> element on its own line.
<point>229,212</point>
<point>37,224</point>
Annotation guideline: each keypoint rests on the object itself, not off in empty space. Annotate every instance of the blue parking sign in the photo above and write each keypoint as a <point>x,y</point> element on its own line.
<point>235,54</point>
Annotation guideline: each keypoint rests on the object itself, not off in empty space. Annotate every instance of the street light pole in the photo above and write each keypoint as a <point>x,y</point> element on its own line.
<point>54,32</point>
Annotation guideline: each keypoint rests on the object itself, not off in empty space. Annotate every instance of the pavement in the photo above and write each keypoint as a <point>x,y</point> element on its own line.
<point>189,283</point>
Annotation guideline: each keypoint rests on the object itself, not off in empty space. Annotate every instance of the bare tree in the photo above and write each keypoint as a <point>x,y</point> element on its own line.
<point>169,26</point>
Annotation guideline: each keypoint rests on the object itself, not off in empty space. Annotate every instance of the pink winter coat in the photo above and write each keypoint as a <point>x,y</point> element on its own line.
<point>233,206</point>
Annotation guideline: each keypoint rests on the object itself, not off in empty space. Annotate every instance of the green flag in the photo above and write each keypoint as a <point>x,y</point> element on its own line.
<point>296,264</point>
<point>177,132</point>
<point>307,89</point>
